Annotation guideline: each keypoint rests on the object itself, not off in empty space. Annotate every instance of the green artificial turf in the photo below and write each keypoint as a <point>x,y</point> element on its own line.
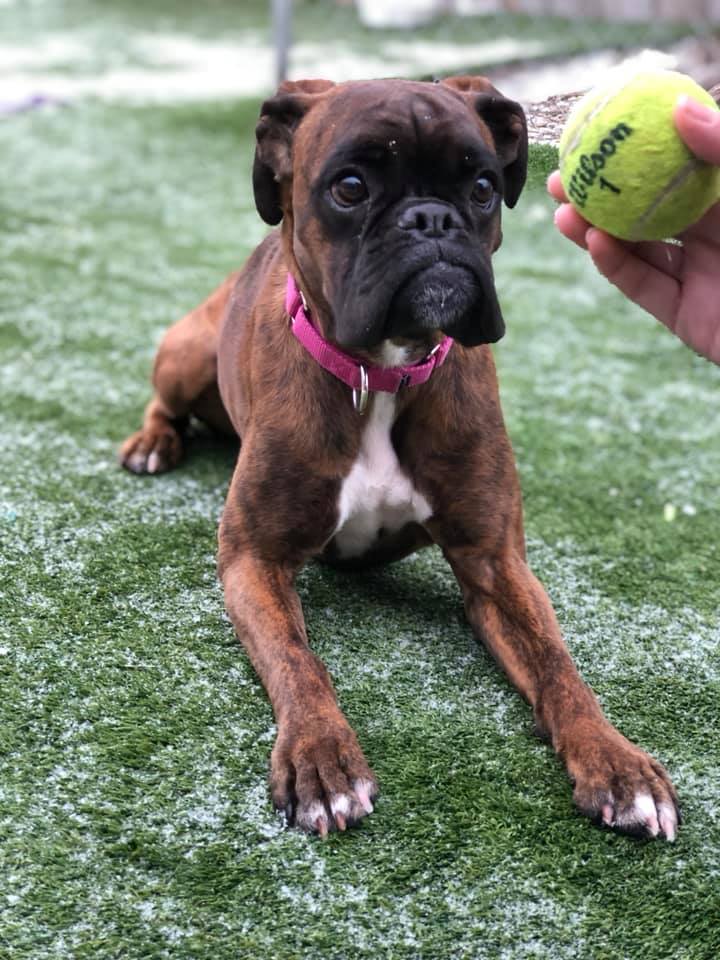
<point>135,821</point>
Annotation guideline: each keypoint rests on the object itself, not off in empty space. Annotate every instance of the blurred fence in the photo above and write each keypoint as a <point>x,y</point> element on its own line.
<point>693,10</point>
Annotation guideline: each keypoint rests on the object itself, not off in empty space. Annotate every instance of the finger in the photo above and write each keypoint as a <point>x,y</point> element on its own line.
<point>667,257</point>
<point>699,126</point>
<point>707,228</point>
<point>555,187</point>
<point>571,224</point>
<point>640,281</point>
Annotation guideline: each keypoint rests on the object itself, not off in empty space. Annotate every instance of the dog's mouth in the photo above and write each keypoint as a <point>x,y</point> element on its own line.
<point>436,290</point>
<point>435,297</point>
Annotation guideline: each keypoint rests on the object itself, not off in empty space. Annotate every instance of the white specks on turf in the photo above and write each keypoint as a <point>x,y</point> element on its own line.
<point>682,642</point>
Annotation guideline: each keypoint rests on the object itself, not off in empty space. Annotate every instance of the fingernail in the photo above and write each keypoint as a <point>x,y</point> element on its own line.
<point>698,111</point>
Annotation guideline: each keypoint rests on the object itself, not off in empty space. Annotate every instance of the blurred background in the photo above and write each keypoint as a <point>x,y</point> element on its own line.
<point>170,51</point>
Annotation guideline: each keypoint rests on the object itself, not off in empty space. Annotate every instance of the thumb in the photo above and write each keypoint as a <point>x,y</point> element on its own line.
<point>699,126</point>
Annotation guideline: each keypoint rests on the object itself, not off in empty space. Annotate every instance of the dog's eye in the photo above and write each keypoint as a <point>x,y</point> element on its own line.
<point>484,192</point>
<point>348,190</point>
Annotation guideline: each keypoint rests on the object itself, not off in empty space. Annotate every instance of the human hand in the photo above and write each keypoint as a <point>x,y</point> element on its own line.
<point>677,284</point>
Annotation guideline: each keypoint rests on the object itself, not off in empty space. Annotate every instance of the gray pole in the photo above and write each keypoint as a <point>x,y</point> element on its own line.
<point>281,17</point>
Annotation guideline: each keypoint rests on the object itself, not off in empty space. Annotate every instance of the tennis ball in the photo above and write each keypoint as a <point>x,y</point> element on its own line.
<point>623,164</point>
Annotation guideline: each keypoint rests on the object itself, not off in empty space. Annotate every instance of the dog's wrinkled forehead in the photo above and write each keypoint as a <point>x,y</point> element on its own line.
<point>376,121</point>
<point>307,120</point>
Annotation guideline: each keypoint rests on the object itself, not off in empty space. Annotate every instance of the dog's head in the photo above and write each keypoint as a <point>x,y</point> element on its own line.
<point>390,192</point>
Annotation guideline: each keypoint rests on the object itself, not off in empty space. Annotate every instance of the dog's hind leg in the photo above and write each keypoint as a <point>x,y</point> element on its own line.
<point>185,383</point>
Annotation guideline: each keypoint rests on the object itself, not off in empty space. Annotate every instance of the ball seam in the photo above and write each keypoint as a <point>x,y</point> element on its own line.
<point>679,178</point>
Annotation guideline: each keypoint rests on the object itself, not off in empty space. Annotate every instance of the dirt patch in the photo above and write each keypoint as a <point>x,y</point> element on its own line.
<point>564,81</point>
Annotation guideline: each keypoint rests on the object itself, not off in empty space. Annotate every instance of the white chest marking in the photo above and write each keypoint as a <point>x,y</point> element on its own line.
<point>376,494</point>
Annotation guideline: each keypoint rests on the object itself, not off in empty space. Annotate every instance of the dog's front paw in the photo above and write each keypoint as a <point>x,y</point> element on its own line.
<point>152,450</point>
<point>621,786</point>
<point>319,777</point>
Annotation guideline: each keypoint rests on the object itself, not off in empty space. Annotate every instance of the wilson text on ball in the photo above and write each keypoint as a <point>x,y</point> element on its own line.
<point>589,166</point>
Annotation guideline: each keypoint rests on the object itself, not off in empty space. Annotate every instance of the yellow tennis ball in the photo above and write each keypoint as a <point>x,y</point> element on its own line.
<point>623,164</point>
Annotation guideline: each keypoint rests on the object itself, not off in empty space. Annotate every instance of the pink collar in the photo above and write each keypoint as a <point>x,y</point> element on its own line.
<point>361,377</point>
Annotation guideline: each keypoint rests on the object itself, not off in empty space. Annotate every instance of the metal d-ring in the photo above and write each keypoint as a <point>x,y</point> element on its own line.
<point>360,402</point>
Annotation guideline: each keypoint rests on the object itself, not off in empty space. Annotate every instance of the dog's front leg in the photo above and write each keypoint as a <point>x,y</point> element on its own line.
<point>319,775</point>
<point>614,781</point>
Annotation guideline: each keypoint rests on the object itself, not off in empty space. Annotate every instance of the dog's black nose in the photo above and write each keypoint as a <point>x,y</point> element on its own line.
<point>428,218</point>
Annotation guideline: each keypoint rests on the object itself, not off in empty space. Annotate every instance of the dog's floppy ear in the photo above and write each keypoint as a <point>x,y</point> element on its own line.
<point>279,117</point>
<point>506,121</point>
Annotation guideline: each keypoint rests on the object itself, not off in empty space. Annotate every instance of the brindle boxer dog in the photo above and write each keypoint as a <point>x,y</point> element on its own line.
<point>366,431</point>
